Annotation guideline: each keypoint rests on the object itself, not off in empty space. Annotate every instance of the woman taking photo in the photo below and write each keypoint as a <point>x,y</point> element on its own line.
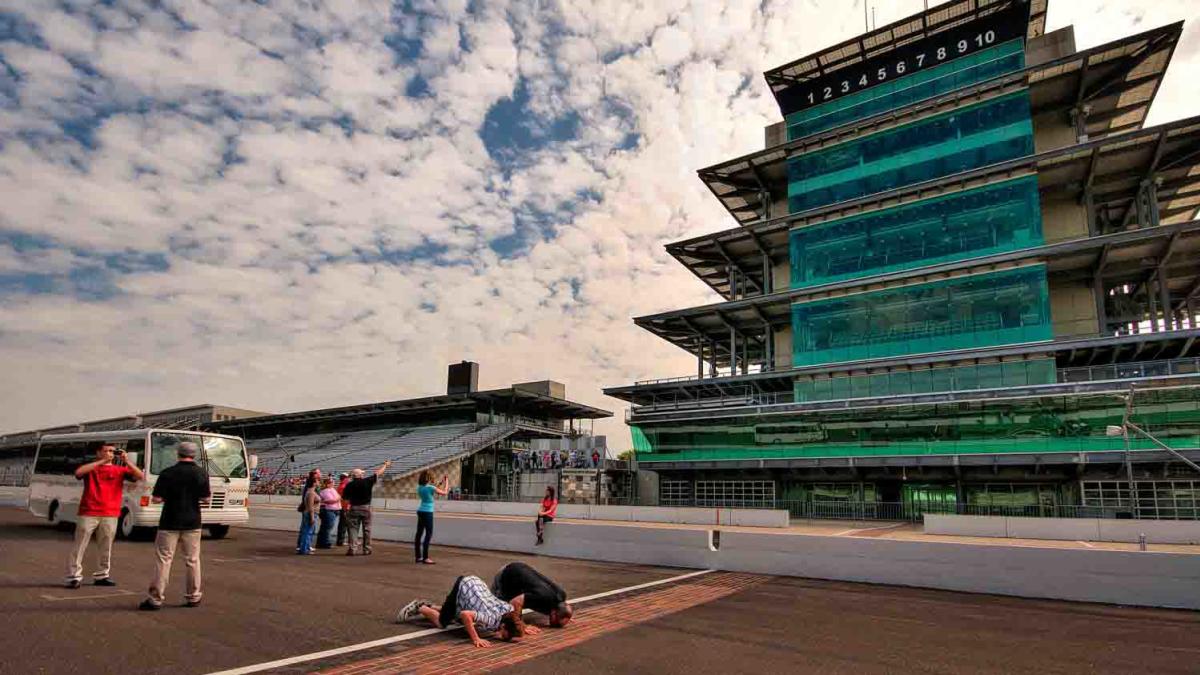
<point>546,514</point>
<point>425,491</point>
<point>331,508</point>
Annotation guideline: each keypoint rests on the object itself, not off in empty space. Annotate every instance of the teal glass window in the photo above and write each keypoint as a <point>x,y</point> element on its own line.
<point>907,383</point>
<point>1007,307</point>
<point>992,219</point>
<point>962,72</point>
<point>963,139</point>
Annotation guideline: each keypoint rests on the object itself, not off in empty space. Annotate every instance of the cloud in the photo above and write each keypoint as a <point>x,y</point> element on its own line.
<point>289,205</point>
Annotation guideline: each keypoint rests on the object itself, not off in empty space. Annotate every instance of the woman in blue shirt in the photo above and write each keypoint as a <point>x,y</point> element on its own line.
<point>425,490</point>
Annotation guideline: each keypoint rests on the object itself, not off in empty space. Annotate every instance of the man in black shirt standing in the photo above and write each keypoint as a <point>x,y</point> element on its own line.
<point>525,587</point>
<point>358,494</point>
<point>181,489</point>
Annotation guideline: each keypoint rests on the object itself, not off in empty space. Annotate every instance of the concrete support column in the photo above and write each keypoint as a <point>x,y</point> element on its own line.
<point>1164,294</point>
<point>768,276</point>
<point>699,357</point>
<point>1101,312</point>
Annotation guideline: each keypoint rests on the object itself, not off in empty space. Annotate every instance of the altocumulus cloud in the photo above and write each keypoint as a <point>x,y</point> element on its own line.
<point>280,205</point>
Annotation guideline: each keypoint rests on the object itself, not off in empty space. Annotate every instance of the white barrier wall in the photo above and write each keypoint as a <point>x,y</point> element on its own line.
<point>645,514</point>
<point>1121,577</point>
<point>1069,529</point>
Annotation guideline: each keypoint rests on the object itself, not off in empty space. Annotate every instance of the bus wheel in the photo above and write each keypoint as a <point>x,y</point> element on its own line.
<point>218,531</point>
<point>52,514</point>
<point>125,528</point>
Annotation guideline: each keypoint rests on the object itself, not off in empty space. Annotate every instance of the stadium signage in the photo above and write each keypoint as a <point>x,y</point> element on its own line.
<point>1007,23</point>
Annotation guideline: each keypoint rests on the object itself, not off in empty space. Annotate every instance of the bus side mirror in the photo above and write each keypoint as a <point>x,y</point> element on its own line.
<point>253,462</point>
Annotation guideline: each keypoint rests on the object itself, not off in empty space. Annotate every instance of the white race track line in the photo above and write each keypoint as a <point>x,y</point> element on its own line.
<point>259,667</point>
<point>847,533</point>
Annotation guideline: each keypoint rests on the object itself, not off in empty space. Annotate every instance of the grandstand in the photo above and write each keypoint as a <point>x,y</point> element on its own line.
<point>466,434</point>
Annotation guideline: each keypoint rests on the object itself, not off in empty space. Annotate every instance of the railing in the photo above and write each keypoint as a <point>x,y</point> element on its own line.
<point>906,511</point>
<point>1183,366</point>
<point>15,475</point>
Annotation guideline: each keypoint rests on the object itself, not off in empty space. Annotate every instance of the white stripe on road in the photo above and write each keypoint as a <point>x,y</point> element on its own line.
<point>850,533</point>
<point>259,667</point>
<point>110,594</point>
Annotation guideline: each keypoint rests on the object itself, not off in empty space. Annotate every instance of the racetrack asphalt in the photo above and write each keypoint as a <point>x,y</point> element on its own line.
<point>262,602</point>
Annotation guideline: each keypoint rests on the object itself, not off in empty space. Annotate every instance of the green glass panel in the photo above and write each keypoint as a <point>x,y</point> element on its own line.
<point>982,221</point>
<point>1073,423</point>
<point>1007,307</point>
<point>959,378</point>
<point>956,141</point>
<point>962,72</point>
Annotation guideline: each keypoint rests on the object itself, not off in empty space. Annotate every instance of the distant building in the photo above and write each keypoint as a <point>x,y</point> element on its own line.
<point>954,258</point>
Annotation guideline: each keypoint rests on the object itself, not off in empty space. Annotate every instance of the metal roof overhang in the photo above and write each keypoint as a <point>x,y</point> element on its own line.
<point>1067,351</point>
<point>985,460</point>
<point>883,40</point>
<point>1112,169</point>
<point>553,408</point>
<point>1116,82</point>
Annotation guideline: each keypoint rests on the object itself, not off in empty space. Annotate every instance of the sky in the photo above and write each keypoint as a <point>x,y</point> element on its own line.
<point>289,205</point>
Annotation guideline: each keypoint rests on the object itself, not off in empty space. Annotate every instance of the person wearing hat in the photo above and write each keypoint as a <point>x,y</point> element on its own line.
<point>342,521</point>
<point>181,489</point>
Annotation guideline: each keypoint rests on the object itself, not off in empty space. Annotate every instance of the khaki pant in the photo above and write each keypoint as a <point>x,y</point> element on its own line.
<point>105,529</point>
<point>164,547</point>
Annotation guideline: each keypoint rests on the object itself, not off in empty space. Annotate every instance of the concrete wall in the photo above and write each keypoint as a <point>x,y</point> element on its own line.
<point>775,134</point>
<point>1073,309</point>
<point>1050,46</point>
<point>1063,219</point>
<point>783,347</point>
<point>1129,578</point>
<point>1052,130</point>
<point>781,276</point>
<point>1068,529</point>
<point>777,518</point>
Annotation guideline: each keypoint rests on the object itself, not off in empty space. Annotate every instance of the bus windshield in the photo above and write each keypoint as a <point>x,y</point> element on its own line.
<point>226,457</point>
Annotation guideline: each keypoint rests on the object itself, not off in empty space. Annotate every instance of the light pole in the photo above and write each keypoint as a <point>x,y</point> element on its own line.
<point>1123,431</point>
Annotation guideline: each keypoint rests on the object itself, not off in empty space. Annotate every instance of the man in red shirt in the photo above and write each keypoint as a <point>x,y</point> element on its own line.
<point>99,508</point>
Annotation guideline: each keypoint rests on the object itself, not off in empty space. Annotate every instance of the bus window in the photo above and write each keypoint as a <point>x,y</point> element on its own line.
<point>163,448</point>
<point>226,457</point>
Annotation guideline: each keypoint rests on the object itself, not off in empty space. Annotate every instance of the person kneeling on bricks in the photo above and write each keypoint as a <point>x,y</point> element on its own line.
<point>472,604</point>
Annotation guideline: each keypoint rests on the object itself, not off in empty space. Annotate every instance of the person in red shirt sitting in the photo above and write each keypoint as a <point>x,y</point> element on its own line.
<point>99,508</point>
<point>546,514</point>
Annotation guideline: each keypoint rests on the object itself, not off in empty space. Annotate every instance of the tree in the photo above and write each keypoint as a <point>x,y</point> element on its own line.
<point>625,455</point>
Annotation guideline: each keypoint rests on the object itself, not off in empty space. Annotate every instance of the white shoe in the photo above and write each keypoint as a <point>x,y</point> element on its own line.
<point>411,610</point>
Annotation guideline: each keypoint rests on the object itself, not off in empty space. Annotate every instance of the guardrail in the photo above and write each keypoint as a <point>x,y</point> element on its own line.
<point>907,511</point>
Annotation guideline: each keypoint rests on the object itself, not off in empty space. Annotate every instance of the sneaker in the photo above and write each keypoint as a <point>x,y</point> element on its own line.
<point>148,606</point>
<point>409,611</point>
<point>192,603</point>
<point>73,584</point>
<point>104,582</point>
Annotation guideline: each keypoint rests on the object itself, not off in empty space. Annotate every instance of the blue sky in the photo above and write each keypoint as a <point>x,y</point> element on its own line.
<point>281,205</point>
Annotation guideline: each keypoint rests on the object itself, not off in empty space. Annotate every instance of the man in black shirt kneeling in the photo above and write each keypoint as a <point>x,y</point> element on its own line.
<point>524,587</point>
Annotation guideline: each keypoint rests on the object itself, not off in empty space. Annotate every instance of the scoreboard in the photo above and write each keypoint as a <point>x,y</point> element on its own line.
<point>1009,22</point>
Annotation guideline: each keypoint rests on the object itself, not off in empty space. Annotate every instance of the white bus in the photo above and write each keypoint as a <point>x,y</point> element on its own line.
<point>54,491</point>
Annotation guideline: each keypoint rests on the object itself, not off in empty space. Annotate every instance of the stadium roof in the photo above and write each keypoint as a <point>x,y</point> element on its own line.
<point>509,399</point>
<point>880,41</point>
<point>1112,168</point>
<point>1115,82</point>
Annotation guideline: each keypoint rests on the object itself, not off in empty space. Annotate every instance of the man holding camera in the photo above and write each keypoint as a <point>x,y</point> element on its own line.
<point>99,507</point>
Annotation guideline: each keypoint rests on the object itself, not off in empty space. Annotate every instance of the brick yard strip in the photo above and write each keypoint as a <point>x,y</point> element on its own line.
<point>330,653</point>
<point>459,656</point>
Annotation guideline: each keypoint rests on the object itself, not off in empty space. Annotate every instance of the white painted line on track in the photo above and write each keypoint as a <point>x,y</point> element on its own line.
<point>850,533</point>
<point>259,667</point>
<point>110,594</point>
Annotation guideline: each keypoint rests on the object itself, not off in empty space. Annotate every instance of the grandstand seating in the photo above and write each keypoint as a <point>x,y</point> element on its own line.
<point>410,449</point>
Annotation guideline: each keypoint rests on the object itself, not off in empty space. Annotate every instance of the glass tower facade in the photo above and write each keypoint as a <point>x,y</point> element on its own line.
<point>894,323</point>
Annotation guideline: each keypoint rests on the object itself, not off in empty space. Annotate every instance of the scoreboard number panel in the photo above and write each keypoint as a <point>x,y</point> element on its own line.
<point>1001,26</point>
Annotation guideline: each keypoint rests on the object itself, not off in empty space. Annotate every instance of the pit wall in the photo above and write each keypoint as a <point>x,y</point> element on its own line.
<point>1068,529</point>
<point>1090,575</point>
<point>645,514</point>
